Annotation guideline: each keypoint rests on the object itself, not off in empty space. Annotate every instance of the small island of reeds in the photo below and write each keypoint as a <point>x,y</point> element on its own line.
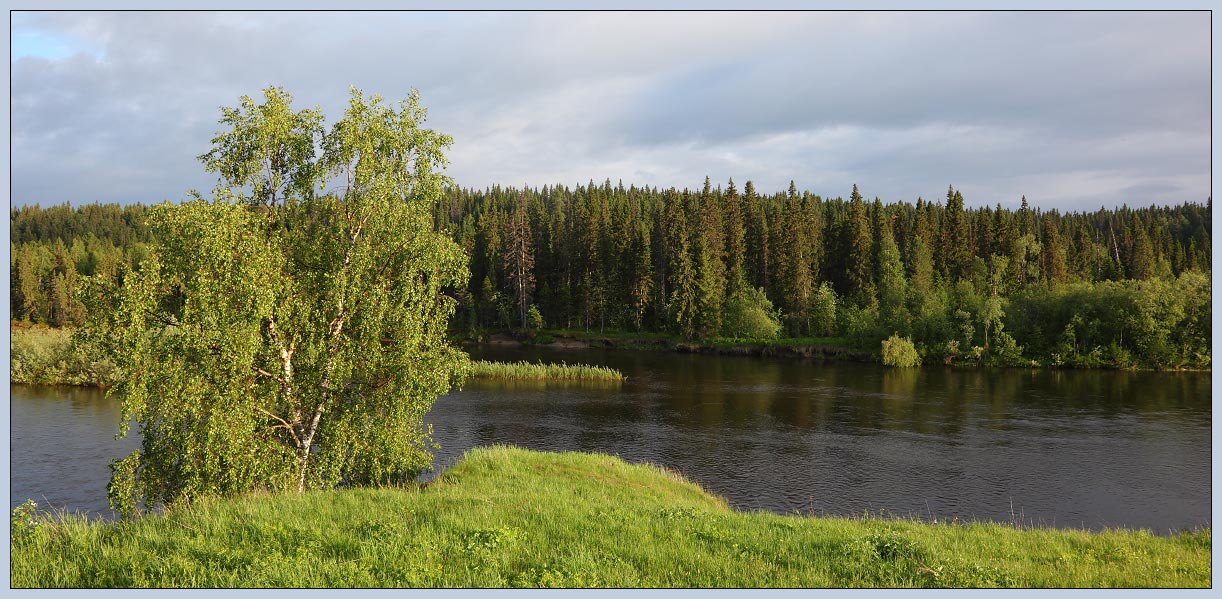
<point>527,371</point>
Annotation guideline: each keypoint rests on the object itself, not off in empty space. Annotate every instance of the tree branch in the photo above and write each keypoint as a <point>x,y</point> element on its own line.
<point>267,374</point>
<point>283,424</point>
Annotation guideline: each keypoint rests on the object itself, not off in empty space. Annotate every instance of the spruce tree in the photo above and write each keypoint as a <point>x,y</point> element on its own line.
<point>757,239</point>
<point>955,251</point>
<point>793,272</point>
<point>1054,252</point>
<point>735,239</point>
<point>707,248</point>
<point>1141,255</point>
<point>681,305</point>
<point>859,251</point>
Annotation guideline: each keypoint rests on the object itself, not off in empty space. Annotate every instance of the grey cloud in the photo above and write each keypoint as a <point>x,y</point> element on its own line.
<point>1000,104</point>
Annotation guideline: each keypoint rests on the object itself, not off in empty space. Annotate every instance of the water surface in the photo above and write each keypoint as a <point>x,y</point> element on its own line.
<point>1056,448</point>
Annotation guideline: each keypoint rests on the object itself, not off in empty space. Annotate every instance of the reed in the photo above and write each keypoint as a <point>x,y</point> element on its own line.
<point>527,371</point>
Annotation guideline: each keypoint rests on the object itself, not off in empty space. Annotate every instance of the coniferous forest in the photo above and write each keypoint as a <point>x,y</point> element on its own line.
<point>1114,288</point>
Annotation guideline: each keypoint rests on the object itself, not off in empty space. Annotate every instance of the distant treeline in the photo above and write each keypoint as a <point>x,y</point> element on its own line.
<point>1120,288</point>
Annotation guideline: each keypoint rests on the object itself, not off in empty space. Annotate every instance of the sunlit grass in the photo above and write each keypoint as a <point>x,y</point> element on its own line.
<point>43,355</point>
<point>507,517</point>
<point>528,371</point>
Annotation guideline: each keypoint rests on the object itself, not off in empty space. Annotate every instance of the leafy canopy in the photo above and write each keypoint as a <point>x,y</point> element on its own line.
<point>280,338</point>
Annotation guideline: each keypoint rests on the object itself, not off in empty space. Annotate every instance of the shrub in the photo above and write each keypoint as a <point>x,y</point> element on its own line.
<point>41,355</point>
<point>749,315</point>
<point>534,320</point>
<point>900,352</point>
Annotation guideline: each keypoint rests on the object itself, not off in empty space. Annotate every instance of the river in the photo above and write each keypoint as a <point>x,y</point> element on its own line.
<point>1077,449</point>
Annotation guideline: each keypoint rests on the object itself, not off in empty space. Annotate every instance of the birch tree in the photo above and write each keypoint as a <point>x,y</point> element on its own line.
<point>282,339</point>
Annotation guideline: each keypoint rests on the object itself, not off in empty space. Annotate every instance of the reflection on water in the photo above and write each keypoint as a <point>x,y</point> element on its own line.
<point>1064,448</point>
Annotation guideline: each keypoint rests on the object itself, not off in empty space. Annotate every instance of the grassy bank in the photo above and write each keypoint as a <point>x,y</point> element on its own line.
<point>43,355</point>
<point>832,348</point>
<point>527,371</point>
<point>516,518</point>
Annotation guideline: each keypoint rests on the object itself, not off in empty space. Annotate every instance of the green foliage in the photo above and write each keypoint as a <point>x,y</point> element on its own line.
<point>284,339</point>
<point>24,523</point>
<point>1121,324</point>
<point>506,517</point>
<point>860,325</point>
<point>1006,352</point>
<point>664,260</point>
<point>750,315</point>
<point>900,352</point>
<point>955,254</point>
<point>40,355</point>
<point>268,148</point>
<point>858,247</point>
<point>823,310</point>
<point>793,276</point>
<point>534,320</point>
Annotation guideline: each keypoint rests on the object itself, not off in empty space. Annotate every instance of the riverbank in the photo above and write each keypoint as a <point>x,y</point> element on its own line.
<point>819,348</point>
<point>507,517</point>
<point>827,348</point>
<point>42,355</point>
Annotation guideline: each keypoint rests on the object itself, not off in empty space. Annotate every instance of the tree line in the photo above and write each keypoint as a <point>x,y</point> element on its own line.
<point>988,284</point>
<point>1114,287</point>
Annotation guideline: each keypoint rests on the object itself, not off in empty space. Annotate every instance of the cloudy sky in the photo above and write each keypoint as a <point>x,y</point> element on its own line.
<point>1074,110</point>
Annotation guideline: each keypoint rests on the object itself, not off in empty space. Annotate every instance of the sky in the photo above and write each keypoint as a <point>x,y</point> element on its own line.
<point>1074,110</point>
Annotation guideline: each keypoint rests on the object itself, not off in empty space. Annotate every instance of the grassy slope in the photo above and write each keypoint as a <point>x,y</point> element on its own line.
<point>511,517</point>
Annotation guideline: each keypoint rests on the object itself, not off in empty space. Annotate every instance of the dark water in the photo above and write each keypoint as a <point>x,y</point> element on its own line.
<point>1057,448</point>
<point>61,442</point>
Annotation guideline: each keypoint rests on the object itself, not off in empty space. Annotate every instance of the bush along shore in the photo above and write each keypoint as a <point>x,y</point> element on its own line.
<point>43,355</point>
<point>508,517</point>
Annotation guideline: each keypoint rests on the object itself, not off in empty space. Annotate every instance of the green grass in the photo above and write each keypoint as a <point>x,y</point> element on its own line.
<point>527,371</point>
<point>44,355</point>
<point>506,517</point>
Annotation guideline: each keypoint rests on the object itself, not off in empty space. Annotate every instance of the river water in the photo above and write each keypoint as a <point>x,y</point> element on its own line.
<point>1053,448</point>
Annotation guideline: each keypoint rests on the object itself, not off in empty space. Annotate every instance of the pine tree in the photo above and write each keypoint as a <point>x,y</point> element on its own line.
<point>519,258</point>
